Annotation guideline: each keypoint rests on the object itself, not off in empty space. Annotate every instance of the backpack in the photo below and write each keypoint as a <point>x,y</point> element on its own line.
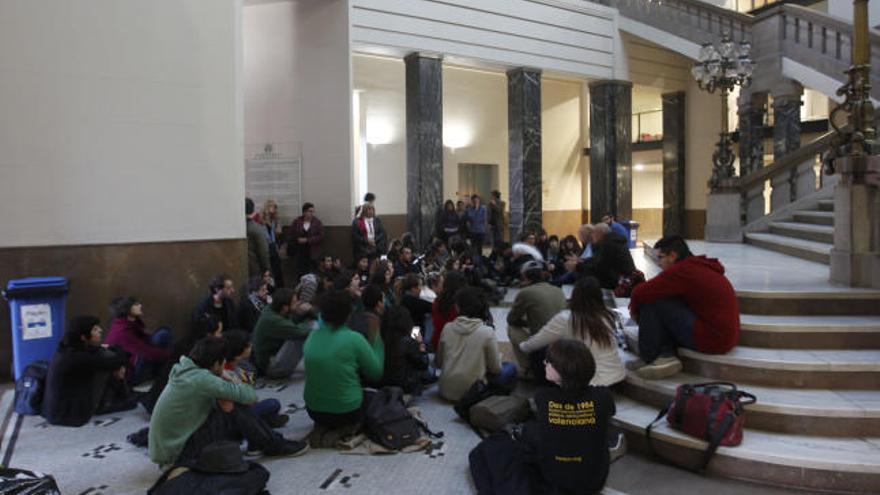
<point>388,422</point>
<point>29,389</point>
<point>22,482</point>
<point>496,412</point>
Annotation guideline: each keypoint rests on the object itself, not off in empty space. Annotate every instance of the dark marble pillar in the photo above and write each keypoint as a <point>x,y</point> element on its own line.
<point>751,129</point>
<point>524,165</point>
<point>673,163</point>
<point>786,124</point>
<point>610,149</point>
<point>424,144</point>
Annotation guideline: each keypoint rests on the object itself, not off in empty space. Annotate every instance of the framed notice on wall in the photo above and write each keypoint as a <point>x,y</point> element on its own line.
<point>274,171</point>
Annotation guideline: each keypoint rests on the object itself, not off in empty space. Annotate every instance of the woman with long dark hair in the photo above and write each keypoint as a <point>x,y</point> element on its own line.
<point>443,310</point>
<point>450,222</point>
<point>587,320</point>
<point>406,358</point>
<point>149,351</point>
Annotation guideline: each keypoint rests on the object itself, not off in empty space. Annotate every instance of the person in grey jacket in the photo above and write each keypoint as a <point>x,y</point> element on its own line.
<point>468,350</point>
<point>258,243</point>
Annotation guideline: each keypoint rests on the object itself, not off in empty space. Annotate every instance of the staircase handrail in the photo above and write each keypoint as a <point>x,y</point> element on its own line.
<point>785,164</point>
<point>708,17</point>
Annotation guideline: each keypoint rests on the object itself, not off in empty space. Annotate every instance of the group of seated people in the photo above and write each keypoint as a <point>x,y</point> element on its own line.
<point>407,321</point>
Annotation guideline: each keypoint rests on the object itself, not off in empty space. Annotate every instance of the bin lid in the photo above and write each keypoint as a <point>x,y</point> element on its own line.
<point>35,285</point>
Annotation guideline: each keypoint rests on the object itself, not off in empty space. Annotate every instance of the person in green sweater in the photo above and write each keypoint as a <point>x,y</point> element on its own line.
<point>335,358</point>
<point>186,417</point>
<point>532,308</point>
<point>278,339</point>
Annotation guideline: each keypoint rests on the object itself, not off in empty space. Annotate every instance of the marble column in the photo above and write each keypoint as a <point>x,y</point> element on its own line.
<point>674,163</point>
<point>424,144</point>
<point>610,149</point>
<point>524,146</point>
<point>786,122</point>
<point>751,133</point>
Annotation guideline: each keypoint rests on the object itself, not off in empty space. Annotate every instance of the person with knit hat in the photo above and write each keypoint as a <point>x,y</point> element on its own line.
<point>85,377</point>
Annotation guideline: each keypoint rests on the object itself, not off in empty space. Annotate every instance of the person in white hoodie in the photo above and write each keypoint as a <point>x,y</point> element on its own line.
<point>587,320</point>
<point>468,350</point>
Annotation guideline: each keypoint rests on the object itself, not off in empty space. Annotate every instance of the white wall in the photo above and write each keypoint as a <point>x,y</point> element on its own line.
<point>570,36</point>
<point>298,89</point>
<point>121,121</point>
<point>562,144</point>
<point>844,10</point>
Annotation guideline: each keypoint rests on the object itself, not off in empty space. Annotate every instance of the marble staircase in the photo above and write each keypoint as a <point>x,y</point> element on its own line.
<point>812,357</point>
<point>808,234</point>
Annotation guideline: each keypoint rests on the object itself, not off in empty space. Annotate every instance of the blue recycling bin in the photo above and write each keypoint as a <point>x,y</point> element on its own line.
<point>633,228</point>
<point>36,305</point>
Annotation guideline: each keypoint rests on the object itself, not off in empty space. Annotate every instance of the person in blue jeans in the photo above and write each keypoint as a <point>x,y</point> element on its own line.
<point>148,351</point>
<point>477,220</point>
<point>468,350</point>
<point>238,369</point>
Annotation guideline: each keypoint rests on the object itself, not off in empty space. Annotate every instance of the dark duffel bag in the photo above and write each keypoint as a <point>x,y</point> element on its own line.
<point>23,482</point>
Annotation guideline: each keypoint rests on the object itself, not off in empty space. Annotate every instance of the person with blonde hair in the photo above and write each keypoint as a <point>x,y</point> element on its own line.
<point>268,217</point>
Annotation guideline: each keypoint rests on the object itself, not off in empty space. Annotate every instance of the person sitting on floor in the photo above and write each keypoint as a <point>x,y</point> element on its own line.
<point>85,378</point>
<point>253,303</point>
<point>616,226</point>
<point>567,272</point>
<point>532,308</point>
<point>186,418</point>
<point>689,304</point>
<point>148,351</point>
<point>565,449</point>
<point>588,320</point>
<point>404,263</point>
<point>468,350</point>
<point>410,292</point>
<point>369,320</point>
<point>362,269</point>
<point>238,370</point>
<point>443,310</point>
<point>278,339</point>
<point>611,257</point>
<point>406,357</point>
<point>335,359</point>
<point>219,304</point>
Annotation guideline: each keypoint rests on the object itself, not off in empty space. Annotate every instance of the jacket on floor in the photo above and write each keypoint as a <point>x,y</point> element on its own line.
<point>71,383</point>
<point>185,404</point>
<point>701,283</point>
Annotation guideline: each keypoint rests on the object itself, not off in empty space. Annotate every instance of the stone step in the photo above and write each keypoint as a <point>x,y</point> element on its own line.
<point>843,413</point>
<point>843,302</point>
<point>839,465</point>
<point>809,250</point>
<point>826,205</point>
<point>810,332</point>
<point>815,217</point>
<point>806,231</point>
<point>799,368</point>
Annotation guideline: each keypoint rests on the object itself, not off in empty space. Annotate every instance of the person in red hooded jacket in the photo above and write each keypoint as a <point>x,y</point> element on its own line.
<point>689,304</point>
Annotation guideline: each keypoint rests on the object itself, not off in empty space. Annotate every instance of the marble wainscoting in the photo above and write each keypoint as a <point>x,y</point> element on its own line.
<point>168,277</point>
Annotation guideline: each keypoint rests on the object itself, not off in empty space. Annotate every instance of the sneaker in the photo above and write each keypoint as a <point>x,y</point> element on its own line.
<point>635,364</point>
<point>616,446</point>
<point>278,421</point>
<point>662,367</point>
<point>290,448</point>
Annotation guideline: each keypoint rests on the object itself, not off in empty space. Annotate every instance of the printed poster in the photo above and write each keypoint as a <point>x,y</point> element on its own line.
<point>36,321</point>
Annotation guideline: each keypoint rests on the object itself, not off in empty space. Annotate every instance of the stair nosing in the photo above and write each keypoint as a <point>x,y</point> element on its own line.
<point>822,248</point>
<point>783,365</point>
<point>803,227</point>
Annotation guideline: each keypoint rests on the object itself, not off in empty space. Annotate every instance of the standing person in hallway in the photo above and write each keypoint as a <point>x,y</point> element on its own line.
<point>477,221</point>
<point>496,217</point>
<point>306,237</point>
<point>449,222</point>
<point>535,304</point>
<point>269,220</point>
<point>690,304</point>
<point>258,244</point>
<point>368,234</point>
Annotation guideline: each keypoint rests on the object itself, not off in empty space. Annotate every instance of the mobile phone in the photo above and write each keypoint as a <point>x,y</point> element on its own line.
<point>416,331</point>
<point>383,257</point>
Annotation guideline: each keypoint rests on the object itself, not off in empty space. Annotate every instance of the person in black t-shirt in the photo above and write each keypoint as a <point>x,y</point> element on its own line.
<point>565,449</point>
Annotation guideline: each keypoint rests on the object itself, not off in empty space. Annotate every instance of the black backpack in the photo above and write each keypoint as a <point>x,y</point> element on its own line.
<point>388,422</point>
<point>23,482</point>
<point>30,387</point>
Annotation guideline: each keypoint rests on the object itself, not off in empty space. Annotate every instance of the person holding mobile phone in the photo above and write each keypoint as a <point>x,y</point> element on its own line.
<point>406,357</point>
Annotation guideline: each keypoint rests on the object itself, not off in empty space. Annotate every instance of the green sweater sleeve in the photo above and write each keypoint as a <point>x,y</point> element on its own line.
<point>280,327</point>
<point>219,388</point>
<point>371,357</point>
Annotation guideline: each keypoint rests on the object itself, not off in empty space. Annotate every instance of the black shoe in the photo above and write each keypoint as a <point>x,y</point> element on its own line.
<point>278,421</point>
<point>289,448</point>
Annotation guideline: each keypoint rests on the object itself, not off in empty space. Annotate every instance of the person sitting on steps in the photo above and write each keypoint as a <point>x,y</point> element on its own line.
<point>187,418</point>
<point>690,304</point>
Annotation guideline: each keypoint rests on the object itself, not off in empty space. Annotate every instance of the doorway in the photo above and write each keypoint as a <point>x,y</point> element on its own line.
<point>477,178</point>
